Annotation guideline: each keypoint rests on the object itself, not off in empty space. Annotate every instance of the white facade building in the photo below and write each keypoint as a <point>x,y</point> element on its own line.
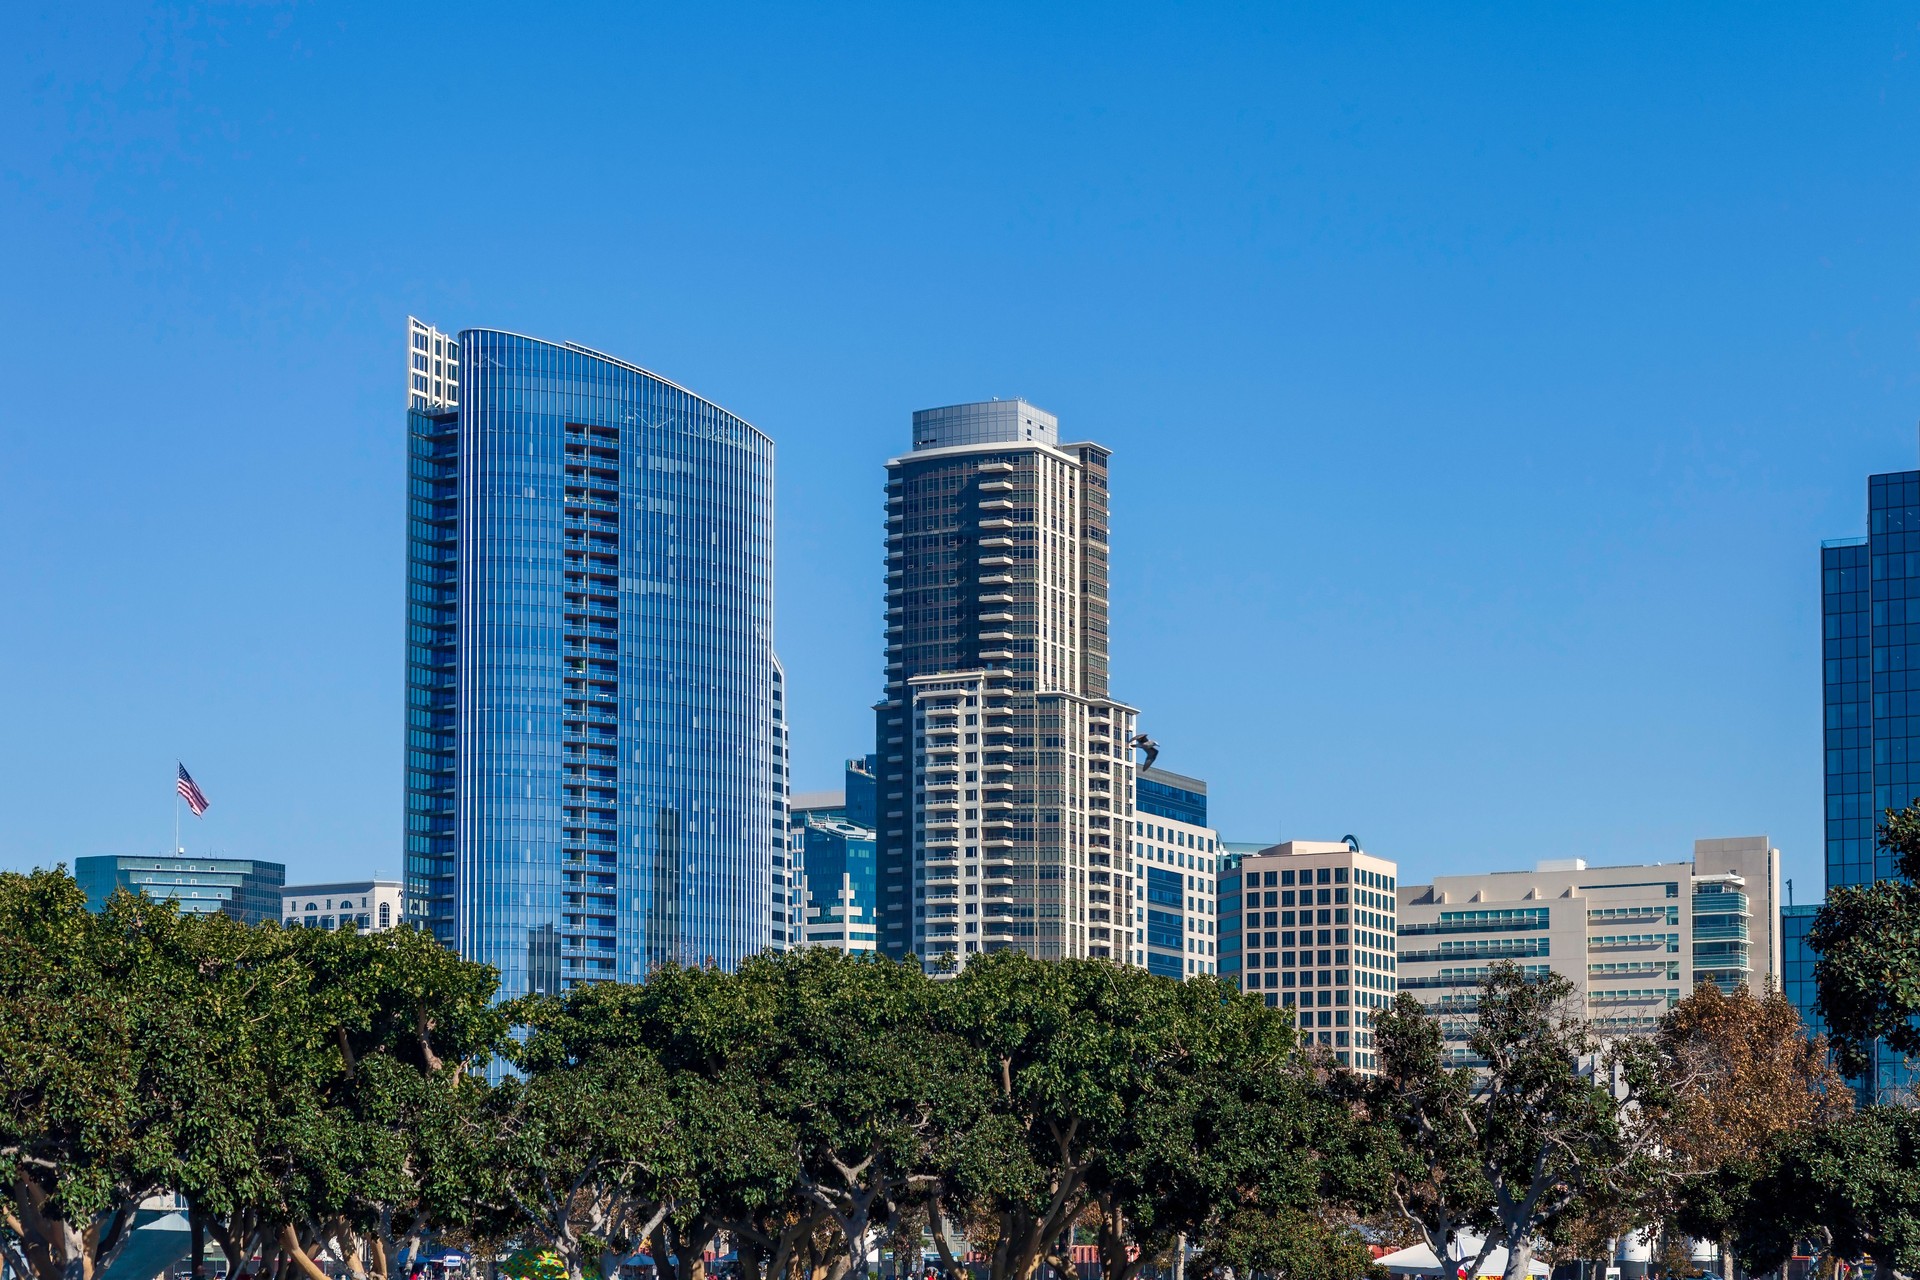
<point>433,367</point>
<point>367,905</point>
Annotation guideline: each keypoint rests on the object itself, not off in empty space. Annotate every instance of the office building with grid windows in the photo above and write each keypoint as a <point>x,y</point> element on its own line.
<point>1005,778</point>
<point>591,729</point>
<point>1174,855</point>
<point>1632,940</point>
<point>1309,925</point>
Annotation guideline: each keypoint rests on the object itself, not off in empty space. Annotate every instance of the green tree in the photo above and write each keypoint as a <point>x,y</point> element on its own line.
<point>1292,1245</point>
<point>1233,1137</point>
<point>1438,1183</point>
<point>1853,1184</point>
<point>878,1094</point>
<point>355,1104</point>
<point>1067,1046</point>
<point>1532,1122</point>
<point>111,1038</point>
<point>714,1034</point>
<point>592,1154</point>
<point>1868,936</point>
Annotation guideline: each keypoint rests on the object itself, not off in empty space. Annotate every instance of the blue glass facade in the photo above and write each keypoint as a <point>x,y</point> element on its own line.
<point>862,800</point>
<point>1870,649</point>
<point>1848,697</point>
<point>1168,795</point>
<point>1797,959</point>
<point>591,735</point>
<point>842,886</point>
<point>246,889</point>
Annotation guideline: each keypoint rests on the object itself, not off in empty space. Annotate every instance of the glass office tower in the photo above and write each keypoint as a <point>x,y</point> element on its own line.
<point>591,733</point>
<point>1870,613</point>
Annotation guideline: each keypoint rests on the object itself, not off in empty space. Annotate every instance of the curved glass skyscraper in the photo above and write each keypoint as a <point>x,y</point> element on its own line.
<point>590,722</point>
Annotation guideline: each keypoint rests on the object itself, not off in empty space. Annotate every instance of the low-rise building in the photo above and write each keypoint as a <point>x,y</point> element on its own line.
<point>369,906</point>
<point>839,885</point>
<point>1632,940</point>
<point>1176,876</point>
<point>833,894</point>
<point>244,888</point>
<point>1310,926</point>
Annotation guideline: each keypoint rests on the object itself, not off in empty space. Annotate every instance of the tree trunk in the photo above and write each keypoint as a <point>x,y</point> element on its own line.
<point>1519,1257</point>
<point>290,1245</point>
<point>662,1250</point>
<point>937,1228</point>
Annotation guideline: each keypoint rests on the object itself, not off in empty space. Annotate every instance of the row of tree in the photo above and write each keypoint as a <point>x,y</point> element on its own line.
<point>312,1094</point>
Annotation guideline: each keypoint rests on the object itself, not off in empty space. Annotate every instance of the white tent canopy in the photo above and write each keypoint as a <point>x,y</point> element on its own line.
<point>1418,1260</point>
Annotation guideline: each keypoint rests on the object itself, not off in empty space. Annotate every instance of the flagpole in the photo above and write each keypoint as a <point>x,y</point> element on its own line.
<point>176,819</point>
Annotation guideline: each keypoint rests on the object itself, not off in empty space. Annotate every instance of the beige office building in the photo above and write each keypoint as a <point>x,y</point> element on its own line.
<point>1309,925</point>
<point>1633,940</point>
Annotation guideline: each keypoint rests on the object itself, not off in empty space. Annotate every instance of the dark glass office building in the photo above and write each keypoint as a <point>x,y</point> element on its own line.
<point>1171,795</point>
<point>591,735</point>
<point>244,888</point>
<point>1870,613</point>
<point>1796,977</point>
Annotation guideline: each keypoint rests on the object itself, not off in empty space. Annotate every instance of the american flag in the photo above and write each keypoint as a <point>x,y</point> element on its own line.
<point>190,792</point>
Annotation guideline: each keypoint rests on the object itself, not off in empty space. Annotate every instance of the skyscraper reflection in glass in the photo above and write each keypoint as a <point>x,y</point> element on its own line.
<point>590,673</point>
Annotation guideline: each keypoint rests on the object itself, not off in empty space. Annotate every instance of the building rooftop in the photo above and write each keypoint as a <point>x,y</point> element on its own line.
<point>984,422</point>
<point>1167,777</point>
<point>338,886</point>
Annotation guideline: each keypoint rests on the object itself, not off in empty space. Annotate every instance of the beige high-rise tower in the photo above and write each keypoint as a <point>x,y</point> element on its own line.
<point>1005,776</point>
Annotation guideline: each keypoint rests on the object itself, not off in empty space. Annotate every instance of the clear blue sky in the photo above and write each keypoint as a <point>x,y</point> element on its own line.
<point>1481,380</point>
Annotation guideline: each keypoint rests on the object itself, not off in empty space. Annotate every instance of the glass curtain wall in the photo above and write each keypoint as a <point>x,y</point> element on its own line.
<point>610,696</point>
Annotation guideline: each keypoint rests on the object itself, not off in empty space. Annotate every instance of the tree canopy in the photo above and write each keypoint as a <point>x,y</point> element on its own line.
<point>330,1100</point>
<point>1868,939</point>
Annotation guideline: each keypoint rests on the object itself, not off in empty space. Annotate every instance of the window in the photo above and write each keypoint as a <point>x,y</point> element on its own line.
<point>1286,877</point>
